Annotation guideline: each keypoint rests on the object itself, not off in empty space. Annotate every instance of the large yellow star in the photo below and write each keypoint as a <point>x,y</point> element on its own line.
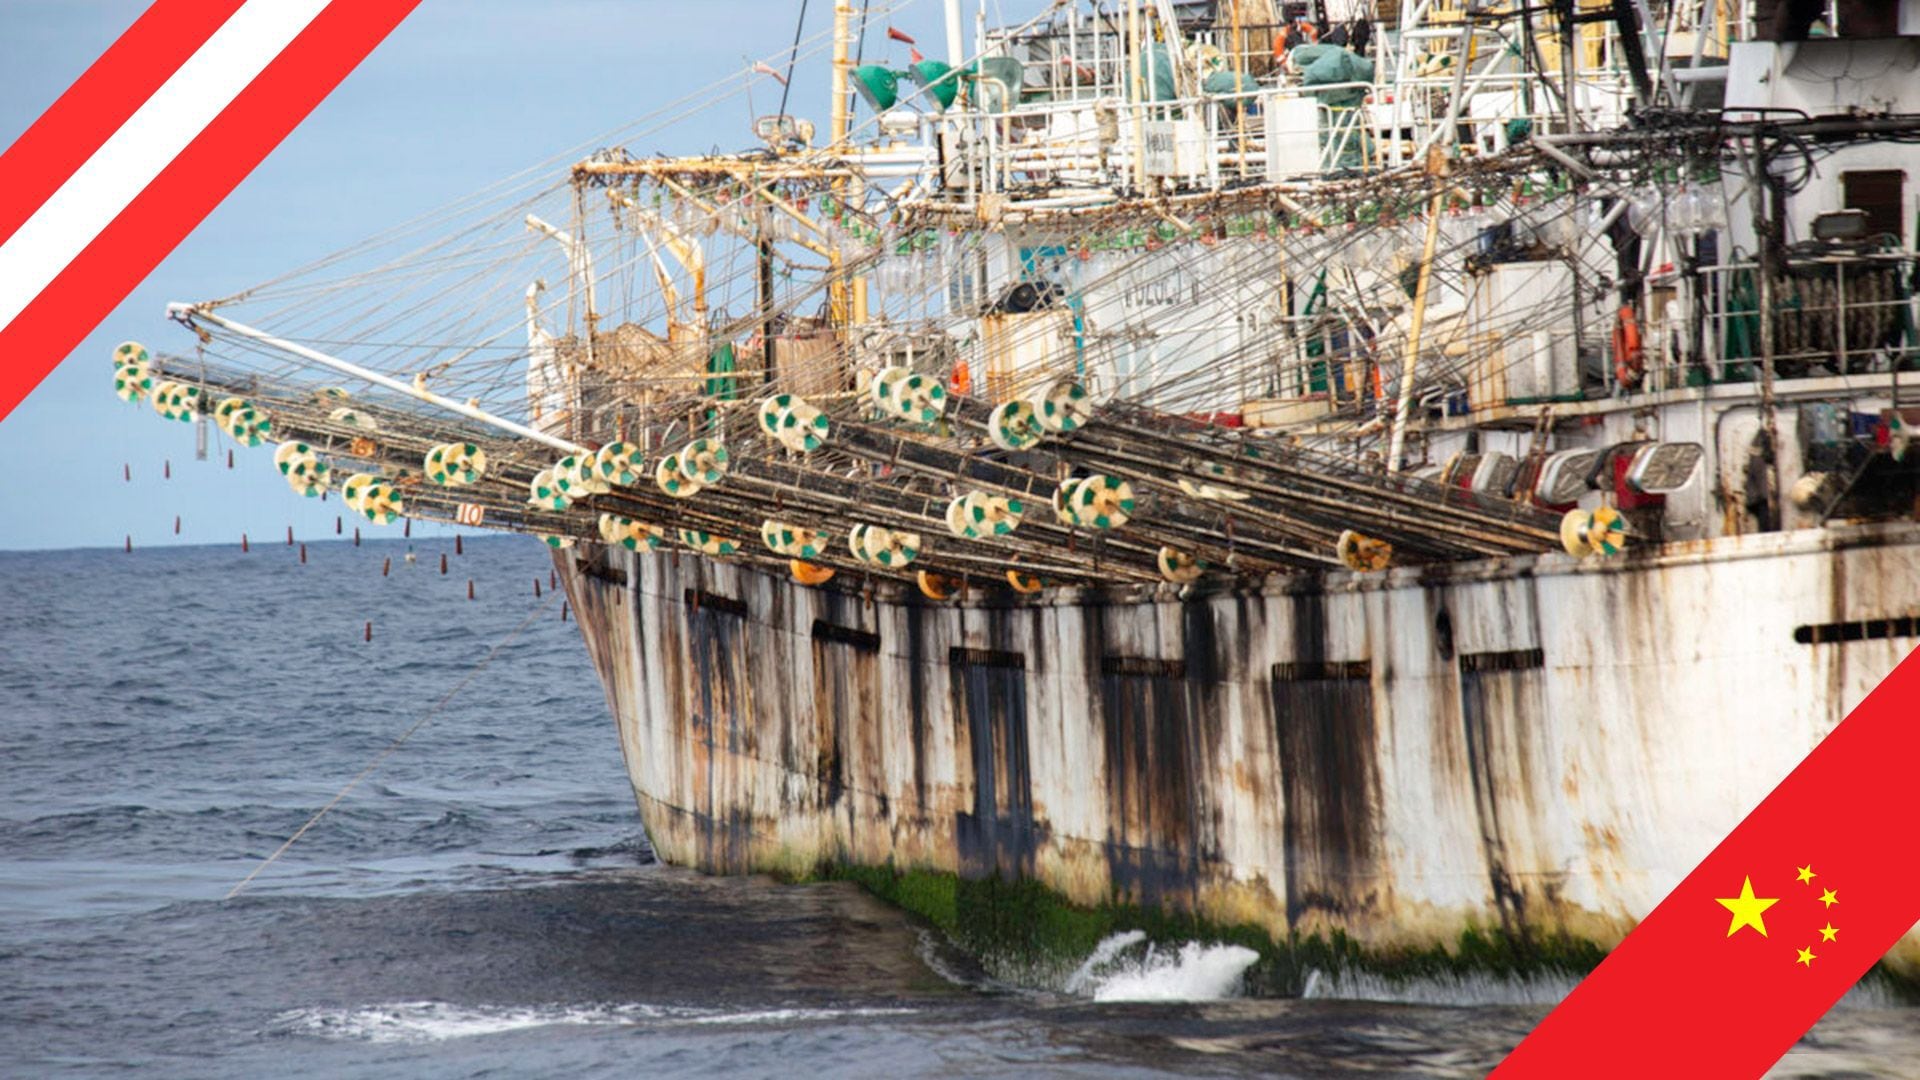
<point>1806,957</point>
<point>1746,909</point>
<point>1807,875</point>
<point>1829,898</point>
<point>1828,932</point>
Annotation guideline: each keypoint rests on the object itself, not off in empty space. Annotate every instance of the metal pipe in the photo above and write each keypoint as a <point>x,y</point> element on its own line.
<point>188,314</point>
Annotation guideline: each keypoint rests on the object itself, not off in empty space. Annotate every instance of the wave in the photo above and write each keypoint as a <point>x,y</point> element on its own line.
<point>1127,967</point>
<point>438,1021</point>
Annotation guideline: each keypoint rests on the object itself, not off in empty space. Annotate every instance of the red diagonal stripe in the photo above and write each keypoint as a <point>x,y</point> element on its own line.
<point>68,309</point>
<point>101,100</point>
<point>1680,996</point>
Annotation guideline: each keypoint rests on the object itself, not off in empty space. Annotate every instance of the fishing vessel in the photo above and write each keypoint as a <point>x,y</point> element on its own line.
<point>1393,482</point>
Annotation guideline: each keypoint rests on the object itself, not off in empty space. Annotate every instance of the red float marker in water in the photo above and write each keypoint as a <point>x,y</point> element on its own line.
<point>443,564</point>
<point>369,629</point>
<point>289,536</point>
<point>129,543</point>
<point>386,566</point>
<point>243,544</point>
<point>469,588</point>
<point>176,524</point>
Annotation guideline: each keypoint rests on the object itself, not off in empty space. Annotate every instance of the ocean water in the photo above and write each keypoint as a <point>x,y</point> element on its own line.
<point>484,903</point>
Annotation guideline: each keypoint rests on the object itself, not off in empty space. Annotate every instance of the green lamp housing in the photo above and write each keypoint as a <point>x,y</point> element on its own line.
<point>879,86</point>
<point>939,81</point>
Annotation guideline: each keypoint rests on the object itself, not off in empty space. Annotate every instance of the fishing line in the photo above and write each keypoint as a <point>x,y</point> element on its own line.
<point>397,743</point>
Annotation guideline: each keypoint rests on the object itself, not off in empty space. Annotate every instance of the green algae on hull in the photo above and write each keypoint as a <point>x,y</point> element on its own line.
<point>1026,932</point>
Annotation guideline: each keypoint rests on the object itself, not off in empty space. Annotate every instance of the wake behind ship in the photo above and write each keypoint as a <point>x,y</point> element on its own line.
<point>1390,484</point>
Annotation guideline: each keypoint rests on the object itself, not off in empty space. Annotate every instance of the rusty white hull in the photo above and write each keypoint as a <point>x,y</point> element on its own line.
<point>1538,745</point>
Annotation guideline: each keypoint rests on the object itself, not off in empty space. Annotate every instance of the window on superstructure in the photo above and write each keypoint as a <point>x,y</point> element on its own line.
<point>1878,192</point>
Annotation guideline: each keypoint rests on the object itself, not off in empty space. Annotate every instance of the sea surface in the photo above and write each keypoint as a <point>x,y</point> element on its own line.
<point>484,903</point>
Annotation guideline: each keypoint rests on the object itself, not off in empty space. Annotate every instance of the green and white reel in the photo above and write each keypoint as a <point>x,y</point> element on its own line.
<point>979,514</point>
<point>455,464</point>
<point>332,395</point>
<point>373,497</point>
<point>1063,501</point>
<point>630,534</point>
<point>704,462</point>
<point>1014,425</point>
<point>132,371</point>
<point>887,547</point>
<point>668,478</point>
<point>1062,407</point>
<point>794,541</point>
<point>304,470</point>
<point>708,544</point>
<point>1179,567</point>
<point>797,425</point>
<point>908,395</point>
<point>573,476</point>
<point>1600,531</point>
<point>246,422</point>
<point>175,401</point>
<point>556,542</point>
<point>544,492</point>
<point>1101,502</point>
<point>619,464</point>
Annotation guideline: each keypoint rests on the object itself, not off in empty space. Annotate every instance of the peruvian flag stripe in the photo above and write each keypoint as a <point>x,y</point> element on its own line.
<point>256,78</point>
<point>95,106</point>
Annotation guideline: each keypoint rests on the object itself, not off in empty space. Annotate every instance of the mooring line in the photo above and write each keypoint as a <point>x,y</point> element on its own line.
<point>398,742</point>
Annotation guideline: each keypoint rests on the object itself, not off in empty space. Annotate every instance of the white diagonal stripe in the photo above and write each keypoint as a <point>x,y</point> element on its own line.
<point>147,143</point>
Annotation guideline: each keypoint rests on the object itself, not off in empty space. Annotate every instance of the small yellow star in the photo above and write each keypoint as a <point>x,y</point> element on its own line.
<point>1827,932</point>
<point>1829,898</point>
<point>1806,957</point>
<point>1746,909</point>
<point>1806,875</point>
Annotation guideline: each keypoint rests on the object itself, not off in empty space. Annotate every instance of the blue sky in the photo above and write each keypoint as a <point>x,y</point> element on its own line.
<point>463,93</point>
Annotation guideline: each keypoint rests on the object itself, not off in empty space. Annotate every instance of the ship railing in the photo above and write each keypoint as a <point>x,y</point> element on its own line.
<point>1833,315</point>
<point>1192,143</point>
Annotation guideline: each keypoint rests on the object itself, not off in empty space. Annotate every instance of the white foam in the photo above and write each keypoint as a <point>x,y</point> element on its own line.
<point>437,1021</point>
<point>1122,967</point>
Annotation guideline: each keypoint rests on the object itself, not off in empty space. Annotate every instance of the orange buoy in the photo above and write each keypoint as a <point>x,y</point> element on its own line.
<point>303,554</point>
<point>1629,358</point>
<point>807,573</point>
<point>243,544</point>
<point>1023,583</point>
<point>962,380</point>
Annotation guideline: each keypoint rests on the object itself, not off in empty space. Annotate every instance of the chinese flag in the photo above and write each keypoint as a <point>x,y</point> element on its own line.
<point>1764,936</point>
